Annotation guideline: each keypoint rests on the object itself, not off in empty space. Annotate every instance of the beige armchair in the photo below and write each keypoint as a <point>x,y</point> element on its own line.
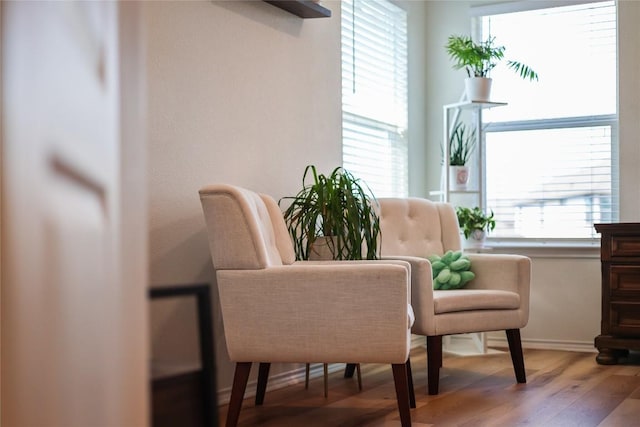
<point>497,299</point>
<point>276,309</point>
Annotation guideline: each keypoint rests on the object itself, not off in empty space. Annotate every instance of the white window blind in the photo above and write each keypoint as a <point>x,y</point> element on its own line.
<point>374,94</point>
<point>551,154</point>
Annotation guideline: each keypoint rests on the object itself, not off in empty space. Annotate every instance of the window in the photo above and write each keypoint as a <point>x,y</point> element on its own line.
<point>374,94</point>
<point>551,154</point>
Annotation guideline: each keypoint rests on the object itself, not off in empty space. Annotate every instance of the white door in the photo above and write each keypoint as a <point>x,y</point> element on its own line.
<point>73,306</point>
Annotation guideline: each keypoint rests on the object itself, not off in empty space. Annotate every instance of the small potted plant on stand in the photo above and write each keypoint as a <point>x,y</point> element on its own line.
<point>461,146</point>
<point>475,224</point>
<point>478,59</point>
<point>333,217</point>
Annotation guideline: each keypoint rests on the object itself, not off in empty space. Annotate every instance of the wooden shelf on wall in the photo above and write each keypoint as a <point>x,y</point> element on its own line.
<point>302,8</point>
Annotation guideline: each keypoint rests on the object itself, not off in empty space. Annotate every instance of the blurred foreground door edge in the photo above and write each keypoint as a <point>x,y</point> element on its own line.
<point>74,343</point>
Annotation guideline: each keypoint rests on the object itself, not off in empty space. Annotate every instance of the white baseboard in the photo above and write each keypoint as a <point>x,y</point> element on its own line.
<point>501,342</point>
<point>418,341</point>
<point>580,346</point>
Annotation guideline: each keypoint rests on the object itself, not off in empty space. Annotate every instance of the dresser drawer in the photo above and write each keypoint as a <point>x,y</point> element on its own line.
<point>625,246</point>
<point>625,319</point>
<point>624,280</point>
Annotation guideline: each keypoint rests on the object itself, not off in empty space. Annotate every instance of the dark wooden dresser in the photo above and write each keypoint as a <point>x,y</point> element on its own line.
<point>620,325</point>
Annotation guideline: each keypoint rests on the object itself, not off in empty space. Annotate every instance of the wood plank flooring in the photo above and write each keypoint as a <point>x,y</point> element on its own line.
<point>563,389</point>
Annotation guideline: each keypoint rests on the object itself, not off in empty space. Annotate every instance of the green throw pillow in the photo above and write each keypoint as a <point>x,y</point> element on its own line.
<point>451,270</point>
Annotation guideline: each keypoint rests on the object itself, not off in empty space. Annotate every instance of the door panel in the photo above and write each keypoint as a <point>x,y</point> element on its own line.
<point>66,338</point>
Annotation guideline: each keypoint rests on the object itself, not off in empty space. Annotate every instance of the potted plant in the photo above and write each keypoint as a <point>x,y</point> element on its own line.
<point>475,224</point>
<point>334,210</point>
<point>462,142</point>
<point>478,59</point>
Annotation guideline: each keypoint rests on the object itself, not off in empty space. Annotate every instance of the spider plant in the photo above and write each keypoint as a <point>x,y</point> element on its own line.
<point>461,145</point>
<point>338,206</point>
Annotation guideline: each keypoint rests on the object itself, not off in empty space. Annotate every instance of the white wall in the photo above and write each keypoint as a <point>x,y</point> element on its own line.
<point>629,108</point>
<point>241,93</point>
<point>418,61</point>
<point>443,84</point>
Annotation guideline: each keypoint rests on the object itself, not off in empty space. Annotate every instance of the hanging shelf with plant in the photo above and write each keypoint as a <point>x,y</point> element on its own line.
<point>462,143</point>
<point>478,59</point>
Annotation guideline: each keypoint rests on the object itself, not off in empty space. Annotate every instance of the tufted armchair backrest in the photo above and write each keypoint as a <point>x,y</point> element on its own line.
<point>246,230</point>
<point>417,227</point>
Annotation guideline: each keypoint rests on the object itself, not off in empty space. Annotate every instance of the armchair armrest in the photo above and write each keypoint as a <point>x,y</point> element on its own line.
<point>421,292</point>
<point>501,272</point>
<point>338,312</point>
<point>406,262</point>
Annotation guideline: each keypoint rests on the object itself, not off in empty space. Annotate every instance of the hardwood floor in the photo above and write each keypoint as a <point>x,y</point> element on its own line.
<point>563,389</point>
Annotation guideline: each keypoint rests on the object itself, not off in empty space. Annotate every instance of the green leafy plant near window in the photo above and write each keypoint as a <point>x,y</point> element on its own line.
<point>471,219</point>
<point>461,145</point>
<point>478,59</point>
<point>335,206</point>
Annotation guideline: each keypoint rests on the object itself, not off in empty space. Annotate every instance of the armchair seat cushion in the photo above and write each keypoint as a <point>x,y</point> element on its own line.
<point>474,299</point>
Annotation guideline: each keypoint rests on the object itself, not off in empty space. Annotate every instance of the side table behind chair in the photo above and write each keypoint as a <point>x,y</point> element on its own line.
<point>167,389</point>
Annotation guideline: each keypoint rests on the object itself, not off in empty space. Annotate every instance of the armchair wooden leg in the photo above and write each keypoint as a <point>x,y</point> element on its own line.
<point>325,372</point>
<point>402,392</point>
<point>515,348</point>
<point>349,370</point>
<point>412,393</point>
<point>240,379</point>
<point>263,377</point>
<point>307,370</point>
<point>434,362</point>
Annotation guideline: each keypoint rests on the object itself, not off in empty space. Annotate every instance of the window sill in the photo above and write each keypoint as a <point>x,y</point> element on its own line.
<point>546,249</point>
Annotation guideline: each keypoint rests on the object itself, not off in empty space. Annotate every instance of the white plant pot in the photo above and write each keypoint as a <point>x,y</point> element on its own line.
<point>458,177</point>
<point>478,88</point>
<point>476,240</point>
<point>322,249</point>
